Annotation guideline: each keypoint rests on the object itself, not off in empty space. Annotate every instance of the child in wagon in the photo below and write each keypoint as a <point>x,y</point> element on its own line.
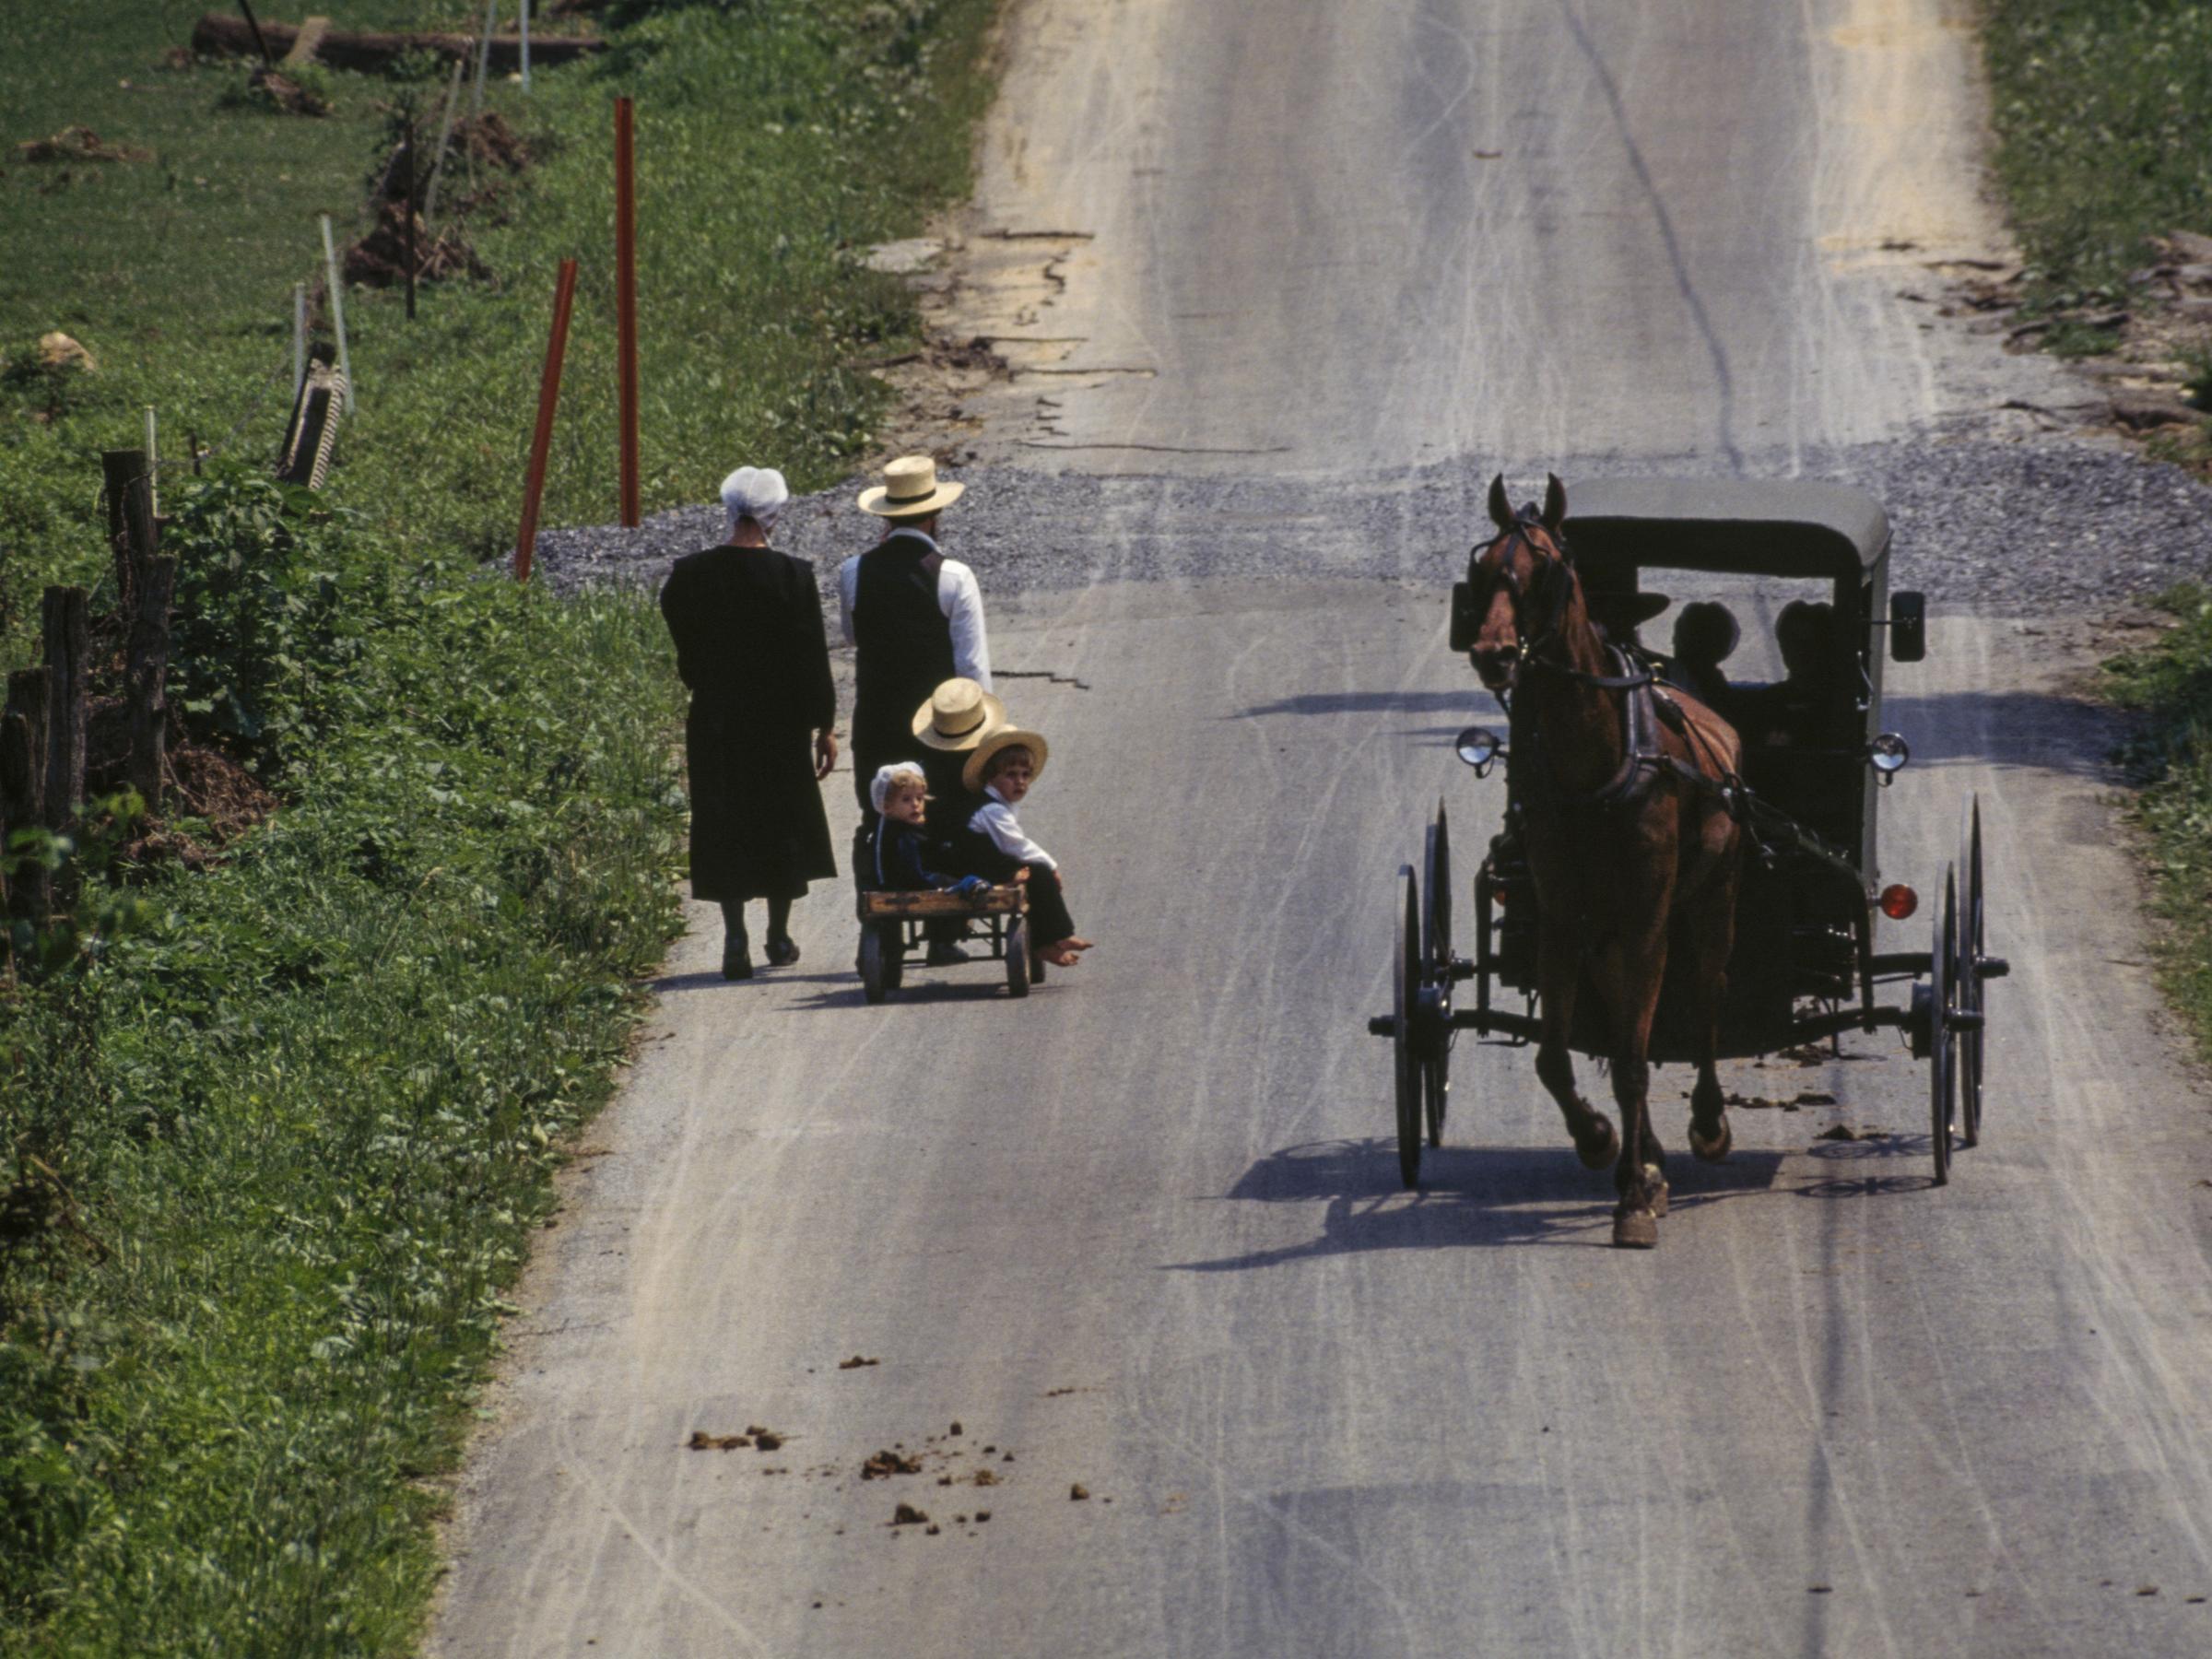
<point>1001,771</point>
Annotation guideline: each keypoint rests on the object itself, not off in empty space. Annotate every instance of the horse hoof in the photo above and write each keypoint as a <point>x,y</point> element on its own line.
<point>1654,1186</point>
<point>1635,1229</point>
<point>1602,1154</point>
<point>1713,1148</point>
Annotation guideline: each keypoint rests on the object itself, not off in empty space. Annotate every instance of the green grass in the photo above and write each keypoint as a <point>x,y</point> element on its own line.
<point>2171,684</point>
<point>774,139</point>
<point>273,1136</point>
<point>2103,111</point>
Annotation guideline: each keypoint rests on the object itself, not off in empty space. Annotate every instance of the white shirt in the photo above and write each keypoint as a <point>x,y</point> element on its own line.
<point>995,818</point>
<point>959,601</point>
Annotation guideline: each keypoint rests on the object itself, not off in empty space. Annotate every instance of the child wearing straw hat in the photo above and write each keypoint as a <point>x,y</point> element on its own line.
<point>1001,771</point>
<point>958,715</point>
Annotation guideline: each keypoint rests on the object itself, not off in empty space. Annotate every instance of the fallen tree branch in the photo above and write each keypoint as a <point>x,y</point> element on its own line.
<point>219,33</point>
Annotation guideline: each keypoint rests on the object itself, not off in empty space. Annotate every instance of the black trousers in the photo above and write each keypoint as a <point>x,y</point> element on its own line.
<point>1049,920</point>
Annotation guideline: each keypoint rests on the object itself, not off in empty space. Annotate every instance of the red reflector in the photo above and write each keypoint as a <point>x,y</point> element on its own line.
<point>1899,901</point>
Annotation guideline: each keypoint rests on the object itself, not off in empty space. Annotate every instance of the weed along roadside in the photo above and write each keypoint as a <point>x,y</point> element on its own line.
<point>284,1074</point>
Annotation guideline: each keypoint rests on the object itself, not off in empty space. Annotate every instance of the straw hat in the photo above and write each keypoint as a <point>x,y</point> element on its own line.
<point>910,489</point>
<point>1005,737</point>
<point>958,714</point>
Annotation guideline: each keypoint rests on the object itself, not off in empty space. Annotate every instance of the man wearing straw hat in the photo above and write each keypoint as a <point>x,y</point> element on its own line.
<point>914,617</point>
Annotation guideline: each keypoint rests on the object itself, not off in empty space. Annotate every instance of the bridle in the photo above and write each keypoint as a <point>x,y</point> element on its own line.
<point>1548,587</point>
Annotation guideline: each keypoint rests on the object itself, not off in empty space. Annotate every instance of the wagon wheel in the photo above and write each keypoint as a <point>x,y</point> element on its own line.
<point>1972,994</point>
<point>1436,969</point>
<point>1404,987</point>
<point>1018,957</point>
<point>873,984</point>
<point>1943,1003</point>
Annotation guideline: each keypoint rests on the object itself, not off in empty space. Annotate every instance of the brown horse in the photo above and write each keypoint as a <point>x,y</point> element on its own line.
<point>1628,836</point>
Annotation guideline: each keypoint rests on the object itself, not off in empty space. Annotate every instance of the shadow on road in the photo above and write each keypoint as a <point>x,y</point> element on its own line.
<point>763,978</point>
<point>2027,729</point>
<point>1475,1196</point>
<point>1474,702</point>
<point>844,990</point>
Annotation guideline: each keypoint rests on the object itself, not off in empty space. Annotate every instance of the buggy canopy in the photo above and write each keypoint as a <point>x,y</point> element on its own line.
<point>1755,526</point>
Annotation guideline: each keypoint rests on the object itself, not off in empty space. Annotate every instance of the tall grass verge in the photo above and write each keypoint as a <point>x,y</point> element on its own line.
<point>2171,684</point>
<point>275,1134</point>
<point>2104,110</point>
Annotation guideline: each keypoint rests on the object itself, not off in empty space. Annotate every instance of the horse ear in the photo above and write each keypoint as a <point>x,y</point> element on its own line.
<point>1501,509</point>
<point>1555,503</point>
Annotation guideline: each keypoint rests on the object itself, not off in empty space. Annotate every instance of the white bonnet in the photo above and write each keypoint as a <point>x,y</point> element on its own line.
<point>754,492</point>
<point>879,787</point>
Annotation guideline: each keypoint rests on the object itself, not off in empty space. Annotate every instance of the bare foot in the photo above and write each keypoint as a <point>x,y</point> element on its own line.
<point>1065,953</point>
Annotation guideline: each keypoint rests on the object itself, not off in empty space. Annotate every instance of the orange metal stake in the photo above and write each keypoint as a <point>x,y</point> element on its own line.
<point>549,395</point>
<point>625,305</point>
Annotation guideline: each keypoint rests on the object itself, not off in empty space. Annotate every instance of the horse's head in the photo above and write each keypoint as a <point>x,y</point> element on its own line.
<point>1521,584</point>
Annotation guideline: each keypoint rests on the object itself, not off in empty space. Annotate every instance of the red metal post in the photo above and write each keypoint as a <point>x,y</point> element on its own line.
<point>548,394</point>
<point>625,305</point>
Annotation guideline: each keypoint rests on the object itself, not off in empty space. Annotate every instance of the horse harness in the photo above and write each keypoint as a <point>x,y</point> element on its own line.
<point>1644,709</point>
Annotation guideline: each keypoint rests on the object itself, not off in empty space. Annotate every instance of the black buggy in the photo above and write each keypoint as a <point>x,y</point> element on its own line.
<point>1817,757</point>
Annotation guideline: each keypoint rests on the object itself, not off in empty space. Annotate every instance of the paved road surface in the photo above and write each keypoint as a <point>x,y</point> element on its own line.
<point>1337,237</point>
<point>1142,1232</point>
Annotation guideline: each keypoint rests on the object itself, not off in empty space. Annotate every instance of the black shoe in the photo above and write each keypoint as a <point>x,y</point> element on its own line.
<point>945,956</point>
<point>783,953</point>
<point>736,962</point>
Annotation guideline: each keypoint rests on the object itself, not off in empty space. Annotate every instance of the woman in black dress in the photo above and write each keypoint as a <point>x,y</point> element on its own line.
<point>749,645</point>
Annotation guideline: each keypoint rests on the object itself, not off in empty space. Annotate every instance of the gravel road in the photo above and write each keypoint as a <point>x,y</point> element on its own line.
<point>1122,1271</point>
<point>2027,526</point>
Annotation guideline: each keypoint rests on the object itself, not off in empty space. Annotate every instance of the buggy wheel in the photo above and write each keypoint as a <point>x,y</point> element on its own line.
<point>1018,957</point>
<point>1436,969</point>
<point>874,986</point>
<point>1404,982</point>
<point>1943,1051</point>
<point>1972,995</point>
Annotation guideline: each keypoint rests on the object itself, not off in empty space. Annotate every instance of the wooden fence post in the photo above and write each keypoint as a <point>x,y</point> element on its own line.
<point>23,782</point>
<point>67,622</point>
<point>146,679</point>
<point>148,583</point>
<point>129,490</point>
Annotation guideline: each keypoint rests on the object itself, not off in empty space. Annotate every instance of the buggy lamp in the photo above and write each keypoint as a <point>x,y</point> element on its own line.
<point>1887,754</point>
<point>1899,901</point>
<point>1480,748</point>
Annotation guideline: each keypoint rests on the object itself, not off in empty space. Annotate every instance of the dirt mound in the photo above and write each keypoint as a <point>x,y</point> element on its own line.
<point>489,141</point>
<point>274,89</point>
<point>211,786</point>
<point>379,258</point>
<point>79,143</point>
<point>204,784</point>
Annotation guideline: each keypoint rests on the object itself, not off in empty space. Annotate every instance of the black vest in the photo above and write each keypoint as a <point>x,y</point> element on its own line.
<point>902,644</point>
